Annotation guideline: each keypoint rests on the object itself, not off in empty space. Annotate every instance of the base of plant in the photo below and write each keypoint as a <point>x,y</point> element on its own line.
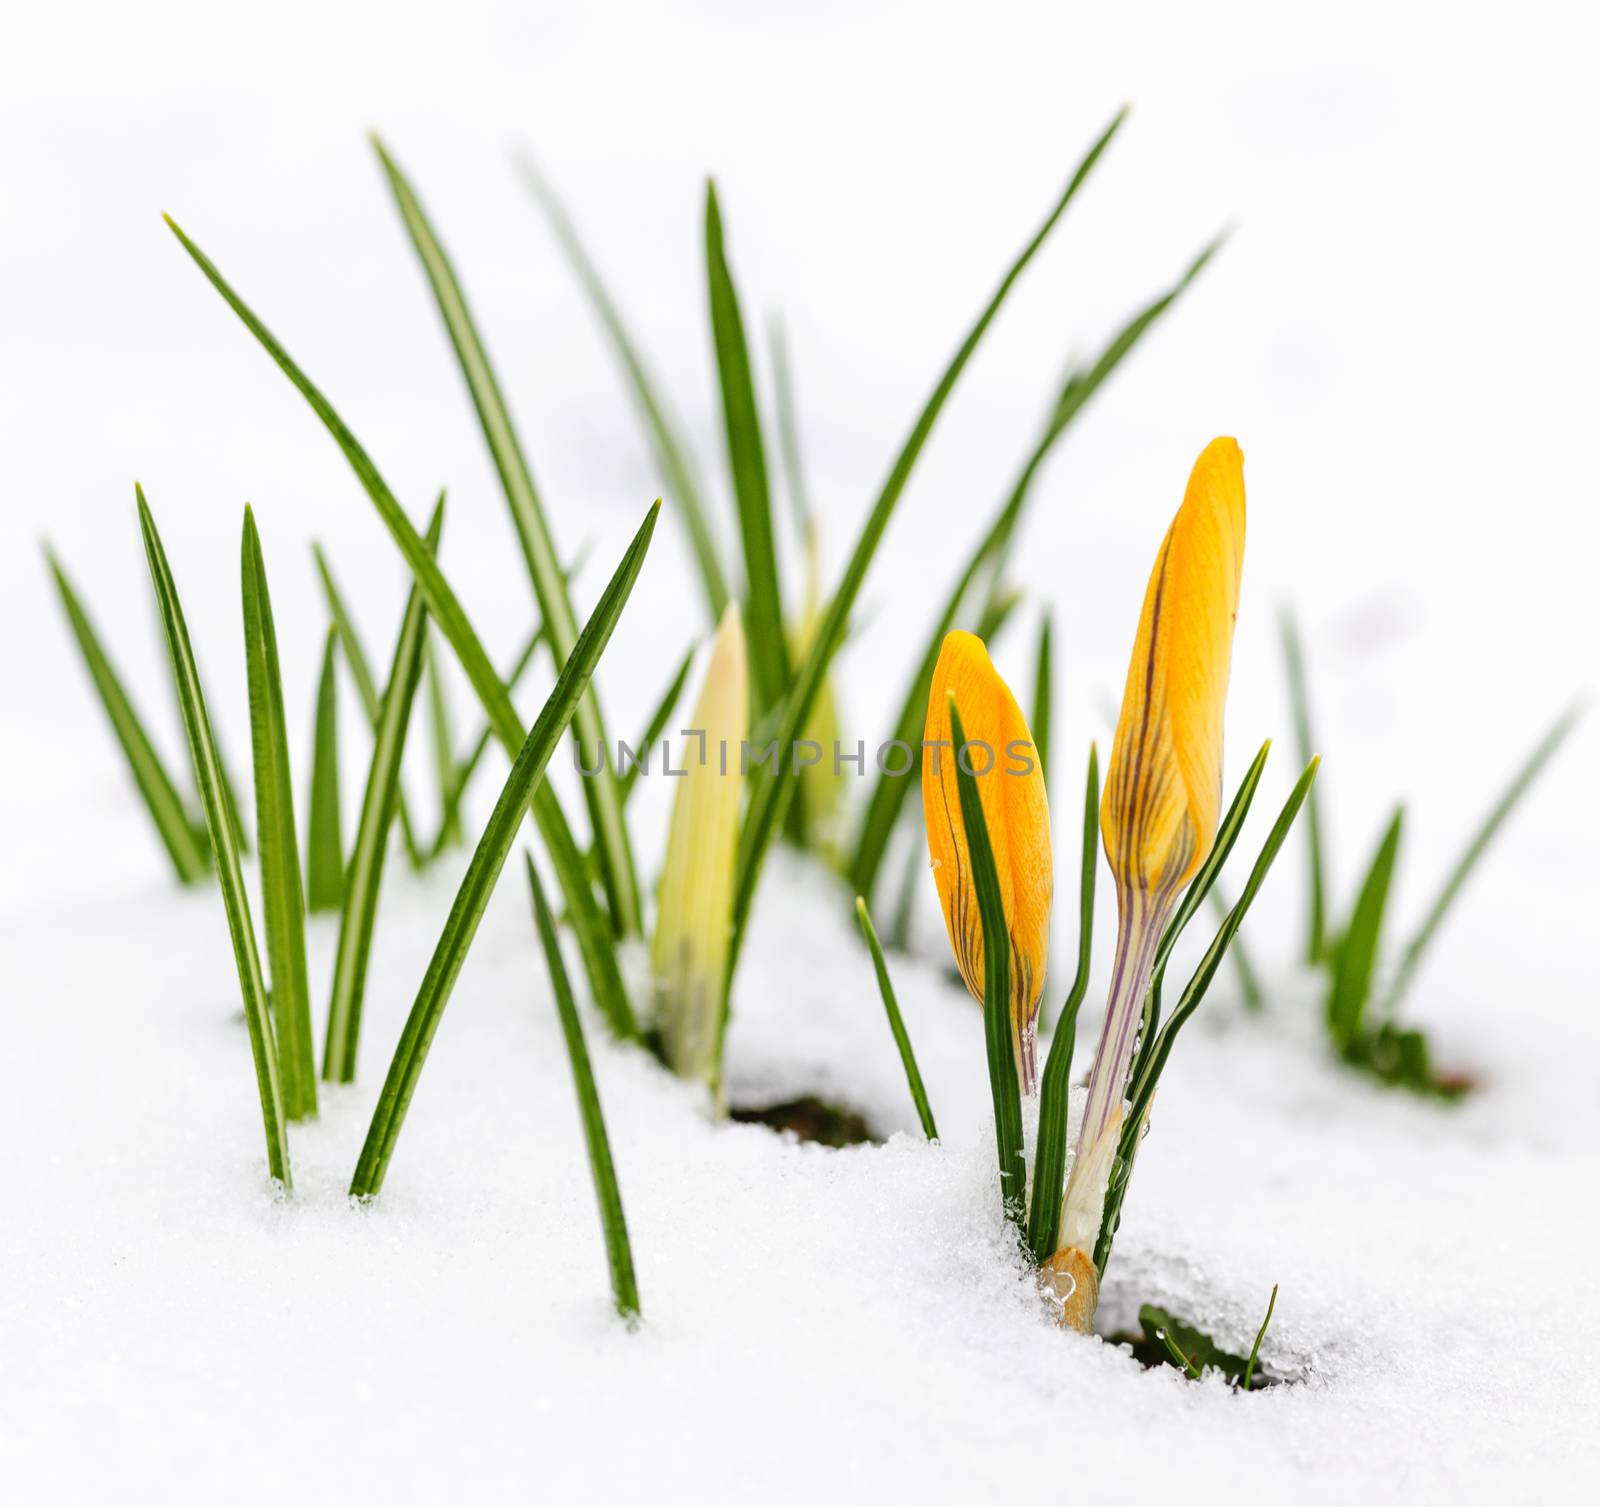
<point>811,1119</point>
<point>1164,1339</point>
<point>1401,1058</point>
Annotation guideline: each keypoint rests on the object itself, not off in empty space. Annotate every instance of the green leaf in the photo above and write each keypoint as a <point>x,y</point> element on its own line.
<point>902,1040</point>
<point>230,877</point>
<point>527,771</point>
<point>282,889</point>
<point>763,611</point>
<point>1055,1087</point>
<point>1142,1084</point>
<point>883,807</point>
<point>355,656</point>
<point>1250,990</point>
<point>1317,939</point>
<point>443,745</point>
<point>600,958</point>
<point>794,475</point>
<point>770,797</point>
<point>378,805</point>
<point>671,452</point>
<point>1169,1339</point>
<point>1261,1334</point>
<point>1043,675</point>
<point>1355,958</point>
<point>1228,830</point>
<point>619,1254</point>
<point>325,832</point>
<point>173,823</point>
<point>533,530</point>
<point>997,1028</point>
<point>658,722</point>
<point>1477,846</point>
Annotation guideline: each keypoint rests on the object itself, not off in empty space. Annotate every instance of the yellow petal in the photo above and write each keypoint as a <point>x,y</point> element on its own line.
<point>1163,793</point>
<point>1010,782</point>
<point>689,953</point>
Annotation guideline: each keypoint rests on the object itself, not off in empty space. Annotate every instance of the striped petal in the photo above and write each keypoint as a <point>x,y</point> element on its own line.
<point>1163,793</point>
<point>1000,752</point>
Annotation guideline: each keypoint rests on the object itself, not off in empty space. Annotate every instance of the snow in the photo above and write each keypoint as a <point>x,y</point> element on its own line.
<point>1401,333</point>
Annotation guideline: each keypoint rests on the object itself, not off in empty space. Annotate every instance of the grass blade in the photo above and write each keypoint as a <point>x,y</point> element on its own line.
<point>230,877</point>
<point>488,859</point>
<point>378,804</point>
<point>1003,1087</point>
<point>1255,999</point>
<point>325,830</point>
<point>1143,1084</point>
<point>173,823</point>
<point>657,723</point>
<point>444,753</point>
<point>619,1254</point>
<point>902,1039</point>
<point>1261,1334</point>
<point>794,475</point>
<point>1355,957</point>
<point>282,888</point>
<point>665,437</point>
<point>747,462</point>
<point>355,656</point>
<point>1530,770</point>
<point>1294,664</point>
<point>464,769</point>
<point>533,530</point>
<point>1050,1154</point>
<point>1043,685</point>
<point>770,796</point>
<point>888,794</point>
<point>600,958</point>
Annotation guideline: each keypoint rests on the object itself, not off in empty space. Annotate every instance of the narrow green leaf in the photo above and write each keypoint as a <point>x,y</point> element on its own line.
<point>1300,709</point>
<point>1355,959</point>
<point>527,771</point>
<point>741,420</point>
<point>1179,1359</point>
<point>1142,1085</point>
<point>902,1039</point>
<point>355,656</point>
<point>1228,830</point>
<point>443,745</point>
<point>794,475</point>
<point>770,797</point>
<point>533,530</point>
<point>325,832</point>
<point>658,722</point>
<point>1479,843</point>
<point>466,767</point>
<point>282,887</point>
<point>230,877</point>
<point>883,807</point>
<point>1043,677</point>
<point>365,877</point>
<point>173,823</point>
<point>1255,999</point>
<point>665,436</point>
<point>619,1254</point>
<point>605,977</point>
<point>1050,1154</point>
<point>997,1029</point>
<point>1261,1334</point>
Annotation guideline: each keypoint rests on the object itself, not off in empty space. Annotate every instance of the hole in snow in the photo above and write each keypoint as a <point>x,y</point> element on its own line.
<point>811,1119</point>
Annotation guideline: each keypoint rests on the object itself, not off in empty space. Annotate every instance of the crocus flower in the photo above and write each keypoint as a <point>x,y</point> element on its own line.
<point>689,954</point>
<point>1000,753</point>
<point>1159,811</point>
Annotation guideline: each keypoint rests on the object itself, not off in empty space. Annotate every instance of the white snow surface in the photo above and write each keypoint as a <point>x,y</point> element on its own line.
<point>1401,332</point>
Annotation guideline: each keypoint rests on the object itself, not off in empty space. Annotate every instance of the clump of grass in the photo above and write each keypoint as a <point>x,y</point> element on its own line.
<point>1361,1007</point>
<point>1166,1340</point>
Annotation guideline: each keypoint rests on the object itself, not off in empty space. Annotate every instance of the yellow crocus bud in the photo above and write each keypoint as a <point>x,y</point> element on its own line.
<point>1161,804</point>
<point>1000,753</point>
<point>689,954</point>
